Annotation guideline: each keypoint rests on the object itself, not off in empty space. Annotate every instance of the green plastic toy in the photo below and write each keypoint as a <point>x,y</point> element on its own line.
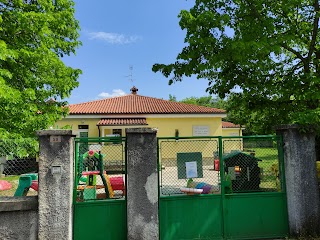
<point>25,182</point>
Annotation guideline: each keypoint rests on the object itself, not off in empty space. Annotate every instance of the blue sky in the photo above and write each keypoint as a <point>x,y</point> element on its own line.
<point>119,34</point>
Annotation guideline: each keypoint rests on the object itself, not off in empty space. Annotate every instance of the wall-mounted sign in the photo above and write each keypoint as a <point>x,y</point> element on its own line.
<point>201,130</point>
<point>55,139</point>
<point>234,134</point>
<point>191,170</point>
<point>189,165</point>
<point>56,170</point>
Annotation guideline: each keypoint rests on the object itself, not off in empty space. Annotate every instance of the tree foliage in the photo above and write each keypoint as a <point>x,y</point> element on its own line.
<point>206,101</point>
<point>254,120</point>
<point>34,36</point>
<point>268,50</point>
<point>172,98</point>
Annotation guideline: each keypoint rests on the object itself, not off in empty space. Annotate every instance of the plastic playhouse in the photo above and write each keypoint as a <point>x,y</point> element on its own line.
<point>90,167</point>
<point>26,182</point>
<point>244,170</point>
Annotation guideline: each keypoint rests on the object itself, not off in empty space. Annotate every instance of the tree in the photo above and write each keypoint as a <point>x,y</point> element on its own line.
<point>172,98</point>
<point>254,120</point>
<point>268,50</point>
<point>201,101</point>
<point>34,36</point>
<point>206,101</point>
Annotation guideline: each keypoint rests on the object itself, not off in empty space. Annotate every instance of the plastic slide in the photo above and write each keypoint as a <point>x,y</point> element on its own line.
<point>25,183</point>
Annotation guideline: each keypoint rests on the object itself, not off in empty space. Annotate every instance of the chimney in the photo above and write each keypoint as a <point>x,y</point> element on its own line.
<point>134,90</point>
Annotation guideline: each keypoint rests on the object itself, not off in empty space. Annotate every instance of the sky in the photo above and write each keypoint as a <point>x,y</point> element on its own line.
<point>121,40</point>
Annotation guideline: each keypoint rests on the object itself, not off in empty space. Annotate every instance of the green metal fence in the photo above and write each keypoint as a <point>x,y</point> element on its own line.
<point>100,188</point>
<point>18,167</point>
<point>175,155</point>
<point>221,188</point>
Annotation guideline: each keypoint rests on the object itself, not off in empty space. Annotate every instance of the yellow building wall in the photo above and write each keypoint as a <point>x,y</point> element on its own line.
<point>231,132</point>
<point>110,151</point>
<point>93,129</point>
<point>232,144</point>
<point>167,126</point>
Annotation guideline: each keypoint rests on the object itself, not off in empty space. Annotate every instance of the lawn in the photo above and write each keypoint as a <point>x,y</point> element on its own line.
<point>14,180</point>
<point>269,167</point>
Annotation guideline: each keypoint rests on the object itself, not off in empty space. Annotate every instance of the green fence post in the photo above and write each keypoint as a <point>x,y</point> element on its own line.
<point>281,163</point>
<point>159,182</point>
<point>221,164</point>
<point>76,156</point>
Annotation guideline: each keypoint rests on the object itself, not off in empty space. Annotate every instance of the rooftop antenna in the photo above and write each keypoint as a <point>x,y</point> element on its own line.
<point>130,76</point>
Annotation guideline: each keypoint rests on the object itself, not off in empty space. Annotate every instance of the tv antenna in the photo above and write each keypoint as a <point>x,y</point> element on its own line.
<point>130,76</point>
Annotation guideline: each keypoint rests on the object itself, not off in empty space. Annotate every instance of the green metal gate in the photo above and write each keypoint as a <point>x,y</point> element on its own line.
<point>99,189</point>
<point>242,183</point>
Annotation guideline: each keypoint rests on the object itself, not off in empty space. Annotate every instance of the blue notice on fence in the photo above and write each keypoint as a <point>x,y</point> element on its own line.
<point>191,170</point>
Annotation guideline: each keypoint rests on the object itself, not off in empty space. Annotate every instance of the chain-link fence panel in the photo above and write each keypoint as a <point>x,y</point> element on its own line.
<point>100,170</point>
<point>254,165</point>
<point>188,166</point>
<point>318,173</point>
<point>18,167</point>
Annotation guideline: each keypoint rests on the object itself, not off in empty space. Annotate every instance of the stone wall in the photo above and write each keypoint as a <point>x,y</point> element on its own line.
<point>142,184</point>
<point>301,181</point>
<point>19,218</point>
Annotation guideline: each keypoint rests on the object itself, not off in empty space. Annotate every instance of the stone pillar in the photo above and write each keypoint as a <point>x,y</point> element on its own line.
<point>142,184</point>
<point>55,184</point>
<point>301,181</point>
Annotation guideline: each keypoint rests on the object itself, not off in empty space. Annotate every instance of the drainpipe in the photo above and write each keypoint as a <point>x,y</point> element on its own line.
<point>99,130</point>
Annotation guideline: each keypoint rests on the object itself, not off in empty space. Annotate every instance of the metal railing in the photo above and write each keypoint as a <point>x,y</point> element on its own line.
<point>215,165</point>
<point>100,167</point>
<point>188,163</point>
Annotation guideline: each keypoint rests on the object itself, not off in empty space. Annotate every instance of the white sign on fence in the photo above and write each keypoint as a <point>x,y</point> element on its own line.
<point>191,170</point>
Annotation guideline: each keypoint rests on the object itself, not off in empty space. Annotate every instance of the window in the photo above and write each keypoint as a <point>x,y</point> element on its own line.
<point>83,132</point>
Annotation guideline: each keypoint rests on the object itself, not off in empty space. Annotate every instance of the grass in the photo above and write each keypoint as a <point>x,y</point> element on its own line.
<point>10,178</point>
<point>270,167</point>
<point>14,180</point>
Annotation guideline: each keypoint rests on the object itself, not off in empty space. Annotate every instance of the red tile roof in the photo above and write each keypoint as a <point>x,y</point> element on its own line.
<point>137,104</point>
<point>229,125</point>
<point>122,121</point>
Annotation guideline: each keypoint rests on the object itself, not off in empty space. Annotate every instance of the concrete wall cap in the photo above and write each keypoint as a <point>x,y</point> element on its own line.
<point>55,132</point>
<point>141,130</point>
<point>8,204</point>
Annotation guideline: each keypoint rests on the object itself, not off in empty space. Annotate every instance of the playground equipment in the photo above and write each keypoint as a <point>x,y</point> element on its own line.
<point>244,170</point>
<point>5,185</point>
<point>93,163</point>
<point>191,191</point>
<point>205,188</point>
<point>26,182</point>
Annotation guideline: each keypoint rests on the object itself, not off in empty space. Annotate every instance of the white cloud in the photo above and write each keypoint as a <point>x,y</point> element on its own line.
<point>113,38</point>
<point>115,93</point>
